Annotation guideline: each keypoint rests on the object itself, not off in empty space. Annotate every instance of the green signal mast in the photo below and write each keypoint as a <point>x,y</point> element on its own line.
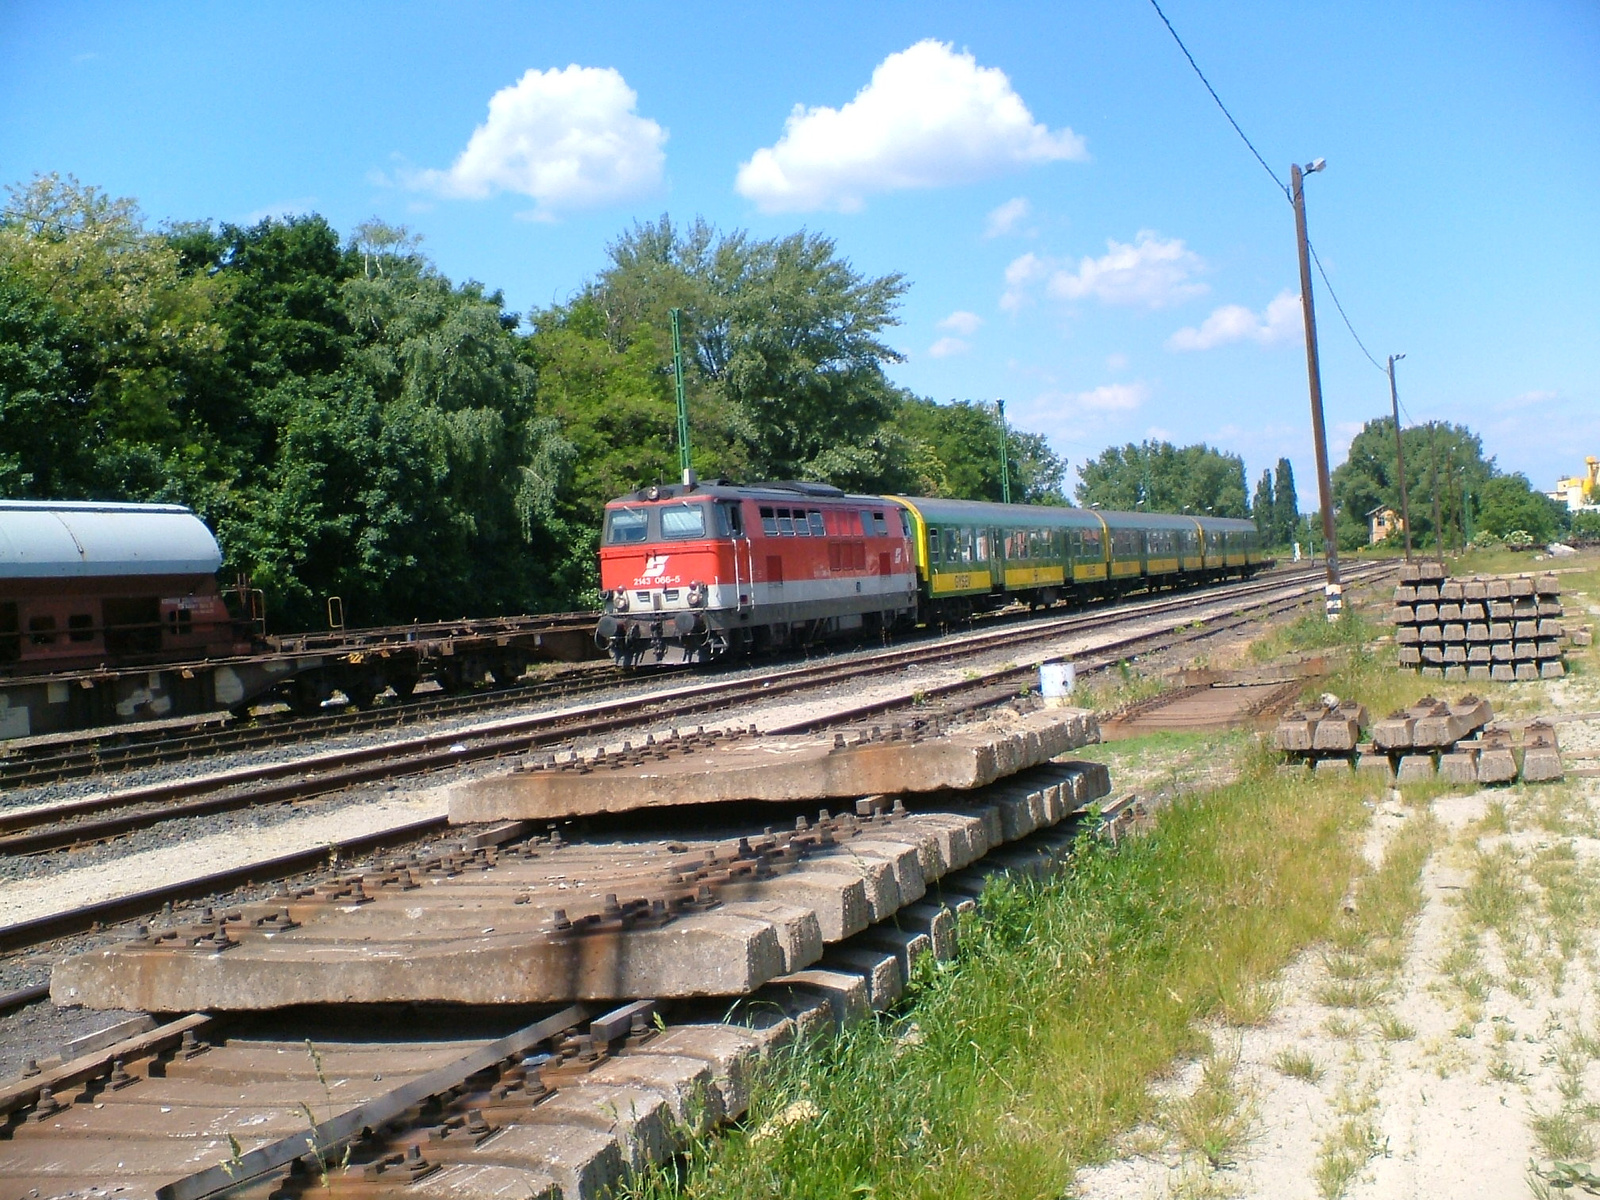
<point>1005,455</point>
<point>683,403</point>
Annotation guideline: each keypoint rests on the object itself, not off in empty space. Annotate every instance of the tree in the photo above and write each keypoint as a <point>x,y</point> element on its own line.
<point>1440,457</point>
<point>1508,502</point>
<point>1265,510</point>
<point>783,340</point>
<point>954,450</point>
<point>1286,503</point>
<point>1159,477</point>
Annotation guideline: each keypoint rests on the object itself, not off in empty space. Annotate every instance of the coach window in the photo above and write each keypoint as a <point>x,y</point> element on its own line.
<point>981,547</point>
<point>80,627</point>
<point>679,521</point>
<point>785,523</point>
<point>769,522</point>
<point>933,545</point>
<point>42,630</point>
<point>817,527</point>
<point>625,525</point>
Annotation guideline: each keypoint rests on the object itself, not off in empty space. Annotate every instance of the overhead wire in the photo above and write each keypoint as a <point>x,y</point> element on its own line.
<point>1340,307</point>
<point>1282,187</point>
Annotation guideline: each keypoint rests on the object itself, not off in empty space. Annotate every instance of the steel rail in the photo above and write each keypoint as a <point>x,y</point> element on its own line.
<point>87,917</point>
<point>279,782</point>
<point>112,749</point>
<point>333,1134</point>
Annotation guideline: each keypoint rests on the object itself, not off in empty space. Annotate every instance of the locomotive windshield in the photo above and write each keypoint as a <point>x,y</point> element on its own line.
<point>680,521</point>
<point>627,525</point>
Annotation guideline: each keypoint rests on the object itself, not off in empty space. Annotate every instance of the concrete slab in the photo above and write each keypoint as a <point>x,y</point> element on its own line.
<point>486,1181</point>
<point>1541,756</point>
<point>585,1163</point>
<point>1459,766</point>
<point>1394,731</point>
<point>695,770</point>
<point>1414,768</point>
<point>538,922</point>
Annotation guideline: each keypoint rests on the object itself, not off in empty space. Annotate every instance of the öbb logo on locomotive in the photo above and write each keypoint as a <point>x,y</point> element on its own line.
<point>769,565</point>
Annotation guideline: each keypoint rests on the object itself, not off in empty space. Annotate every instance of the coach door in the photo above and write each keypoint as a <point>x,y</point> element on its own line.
<point>744,570</point>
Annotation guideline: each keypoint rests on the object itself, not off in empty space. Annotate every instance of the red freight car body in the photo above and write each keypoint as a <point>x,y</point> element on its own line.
<point>689,573</point>
<point>85,584</point>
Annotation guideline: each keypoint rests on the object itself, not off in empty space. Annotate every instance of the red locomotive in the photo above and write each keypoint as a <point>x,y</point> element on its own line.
<point>691,573</point>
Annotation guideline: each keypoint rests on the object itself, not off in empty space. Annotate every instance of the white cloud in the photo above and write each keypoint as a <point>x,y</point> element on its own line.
<point>1117,362</point>
<point>1007,217</point>
<point>946,346</point>
<point>1021,274</point>
<point>569,138</point>
<point>1280,321</point>
<point>928,118</point>
<point>1107,398</point>
<point>962,322</point>
<point>1151,271</point>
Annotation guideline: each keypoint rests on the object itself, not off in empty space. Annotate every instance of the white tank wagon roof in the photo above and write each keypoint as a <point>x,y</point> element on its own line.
<point>45,539</point>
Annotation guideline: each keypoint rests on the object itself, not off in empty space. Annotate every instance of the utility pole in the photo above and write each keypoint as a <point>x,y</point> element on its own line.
<point>683,404</point>
<point>1333,590</point>
<point>1005,466</point>
<point>1432,485</point>
<point>1400,454</point>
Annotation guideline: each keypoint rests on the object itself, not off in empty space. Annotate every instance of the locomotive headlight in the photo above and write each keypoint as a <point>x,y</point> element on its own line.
<point>697,594</point>
<point>619,600</point>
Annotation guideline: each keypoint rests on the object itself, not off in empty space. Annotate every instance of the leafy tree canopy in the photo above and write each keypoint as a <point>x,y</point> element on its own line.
<point>1160,477</point>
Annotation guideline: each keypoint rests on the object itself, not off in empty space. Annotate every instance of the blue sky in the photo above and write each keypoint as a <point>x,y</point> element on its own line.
<point>1084,234</point>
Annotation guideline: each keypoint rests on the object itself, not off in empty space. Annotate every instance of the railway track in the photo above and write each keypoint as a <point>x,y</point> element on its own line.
<point>48,827</point>
<point>566,1099</point>
<point>121,751</point>
<point>73,823</point>
<point>104,751</point>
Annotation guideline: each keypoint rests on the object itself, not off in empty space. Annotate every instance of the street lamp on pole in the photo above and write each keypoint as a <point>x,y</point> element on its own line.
<point>1333,590</point>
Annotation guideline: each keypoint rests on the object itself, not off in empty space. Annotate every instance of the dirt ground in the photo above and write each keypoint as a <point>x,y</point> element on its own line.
<point>1463,1060</point>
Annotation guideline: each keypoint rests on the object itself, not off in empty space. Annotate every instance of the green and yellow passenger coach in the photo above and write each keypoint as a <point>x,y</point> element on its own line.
<point>973,555</point>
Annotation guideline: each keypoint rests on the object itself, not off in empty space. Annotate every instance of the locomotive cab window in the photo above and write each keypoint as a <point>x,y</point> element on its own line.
<point>680,521</point>
<point>879,525</point>
<point>730,521</point>
<point>627,525</point>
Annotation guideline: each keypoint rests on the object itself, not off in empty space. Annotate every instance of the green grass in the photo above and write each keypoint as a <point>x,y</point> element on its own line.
<point>1298,1064</point>
<point>1214,1120</point>
<point>1039,1043</point>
